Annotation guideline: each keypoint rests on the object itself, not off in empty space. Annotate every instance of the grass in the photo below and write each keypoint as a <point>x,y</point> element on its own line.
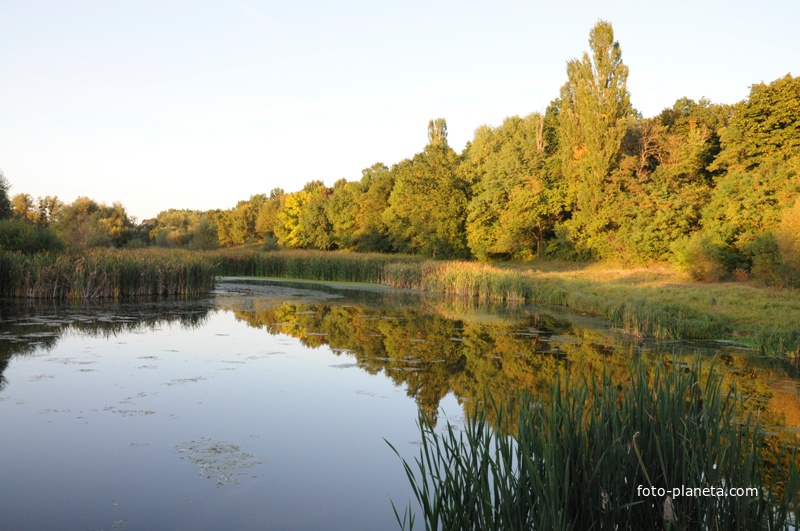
<point>309,265</point>
<point>581,456</point>
<point>654,302</point>
<point>105,273</point>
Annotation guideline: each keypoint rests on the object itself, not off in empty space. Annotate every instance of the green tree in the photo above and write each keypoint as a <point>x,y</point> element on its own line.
<point>371,232</point>
<point>268,216</point>
<point>314,229</point>
<point>49,206</point>
<point>664,182</point>
<point>427,207</point>
<point>5,203</point>
<point>341,210</point>
<point>85,223</point>
<point>512,205</point>
<point>763,128</point>
<point>594,115</point>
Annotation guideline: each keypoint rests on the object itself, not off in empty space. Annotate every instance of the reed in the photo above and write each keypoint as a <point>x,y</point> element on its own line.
<point>582,456</point>
<point>635,315</point>
<point>310,265</point>
<point>105,273</point>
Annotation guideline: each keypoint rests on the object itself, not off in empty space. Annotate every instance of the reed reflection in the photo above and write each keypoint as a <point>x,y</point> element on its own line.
<point>438,346</point>
<point>29,326</point>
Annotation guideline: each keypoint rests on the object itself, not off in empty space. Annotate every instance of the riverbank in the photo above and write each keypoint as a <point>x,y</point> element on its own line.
<point>658,302</point>
<point>655,302</point>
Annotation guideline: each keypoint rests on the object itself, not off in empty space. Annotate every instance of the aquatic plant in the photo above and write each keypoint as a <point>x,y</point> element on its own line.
<point>309,265</point>
<point>597,455</point>
<point>105,273</point>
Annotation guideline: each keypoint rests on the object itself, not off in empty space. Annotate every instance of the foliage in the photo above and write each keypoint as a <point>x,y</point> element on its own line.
<point>512,205</point>
<point>191,229</point>
<point>701,257</point>
<point>579,457</point>
<point>5,202</point>
<point>763,128</point>
<point>747,203</point>
<point>594,116</point>
<point>427,207</point>
<point>85,223</point>
<point>42,212</point>
<point>26,237</point>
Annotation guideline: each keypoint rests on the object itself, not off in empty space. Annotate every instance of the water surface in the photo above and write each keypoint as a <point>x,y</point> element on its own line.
<point>266,406</point>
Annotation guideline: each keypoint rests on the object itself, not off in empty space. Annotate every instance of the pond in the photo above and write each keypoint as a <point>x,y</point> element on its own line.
<point>267,405</point>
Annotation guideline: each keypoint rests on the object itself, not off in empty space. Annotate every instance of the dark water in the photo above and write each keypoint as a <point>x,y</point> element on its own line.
<point>266,406</point>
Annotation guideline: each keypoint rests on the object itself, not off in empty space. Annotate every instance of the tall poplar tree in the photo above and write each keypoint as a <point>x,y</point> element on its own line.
<point>594,116</point>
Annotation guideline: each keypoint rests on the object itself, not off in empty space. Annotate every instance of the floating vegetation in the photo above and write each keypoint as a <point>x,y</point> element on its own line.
<point>218,460</point>
<point>129,412</point>
<point>181,381</point>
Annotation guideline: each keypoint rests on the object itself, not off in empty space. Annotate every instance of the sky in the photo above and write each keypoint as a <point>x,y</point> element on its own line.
<point>199,104</point>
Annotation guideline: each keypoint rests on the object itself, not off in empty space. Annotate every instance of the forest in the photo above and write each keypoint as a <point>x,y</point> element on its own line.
<point>712,188</point>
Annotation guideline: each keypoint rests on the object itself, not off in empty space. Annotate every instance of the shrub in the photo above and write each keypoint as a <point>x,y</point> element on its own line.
<point>700,257</point>
<point>23,236</point>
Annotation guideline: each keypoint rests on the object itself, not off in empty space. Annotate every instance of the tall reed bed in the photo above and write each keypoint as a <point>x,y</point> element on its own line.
<point>636,316</point>
<point>595,455</point>
<point>632,310</point>
<point>310,265</point>
<point>104,273</point>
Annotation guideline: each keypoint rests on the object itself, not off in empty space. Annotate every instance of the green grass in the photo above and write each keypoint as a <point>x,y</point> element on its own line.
<point>654,302</point>
<point>105,273</point>
<point>580,457</point>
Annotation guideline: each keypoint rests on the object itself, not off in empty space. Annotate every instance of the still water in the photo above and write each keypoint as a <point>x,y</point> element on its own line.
<point>268,405</point>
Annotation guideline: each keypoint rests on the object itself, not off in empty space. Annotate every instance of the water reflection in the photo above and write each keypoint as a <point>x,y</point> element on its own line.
<point>28,326</point>
<point>432,346</point>
<point>266,405</point>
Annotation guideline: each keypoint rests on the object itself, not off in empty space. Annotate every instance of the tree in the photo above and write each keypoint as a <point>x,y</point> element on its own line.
<point>594,116</point>
<point>5,202</point>
<point>372,234</point>
<point>427,206</point>
<point>268,216</point>
<point>511,205</point>
<point>24,208</point>
<point>86,223</point>
<point>764,128</point>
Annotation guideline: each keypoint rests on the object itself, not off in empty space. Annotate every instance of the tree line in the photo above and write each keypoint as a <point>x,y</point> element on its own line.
<point>712,187</point>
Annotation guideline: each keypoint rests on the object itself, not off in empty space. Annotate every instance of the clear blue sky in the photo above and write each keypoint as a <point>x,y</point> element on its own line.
<point>198,104</point>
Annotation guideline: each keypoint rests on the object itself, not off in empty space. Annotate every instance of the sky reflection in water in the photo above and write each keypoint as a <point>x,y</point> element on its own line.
<point>236,412</point>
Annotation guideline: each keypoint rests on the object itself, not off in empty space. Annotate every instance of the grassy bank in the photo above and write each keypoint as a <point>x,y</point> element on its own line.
<point>594,454</point>
<point>105,273</point>
<point>655,302</point>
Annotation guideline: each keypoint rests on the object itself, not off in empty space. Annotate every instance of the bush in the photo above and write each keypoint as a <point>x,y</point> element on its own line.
<point>769,266</point>
<point>700,257</point>
<point>23,236</point>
